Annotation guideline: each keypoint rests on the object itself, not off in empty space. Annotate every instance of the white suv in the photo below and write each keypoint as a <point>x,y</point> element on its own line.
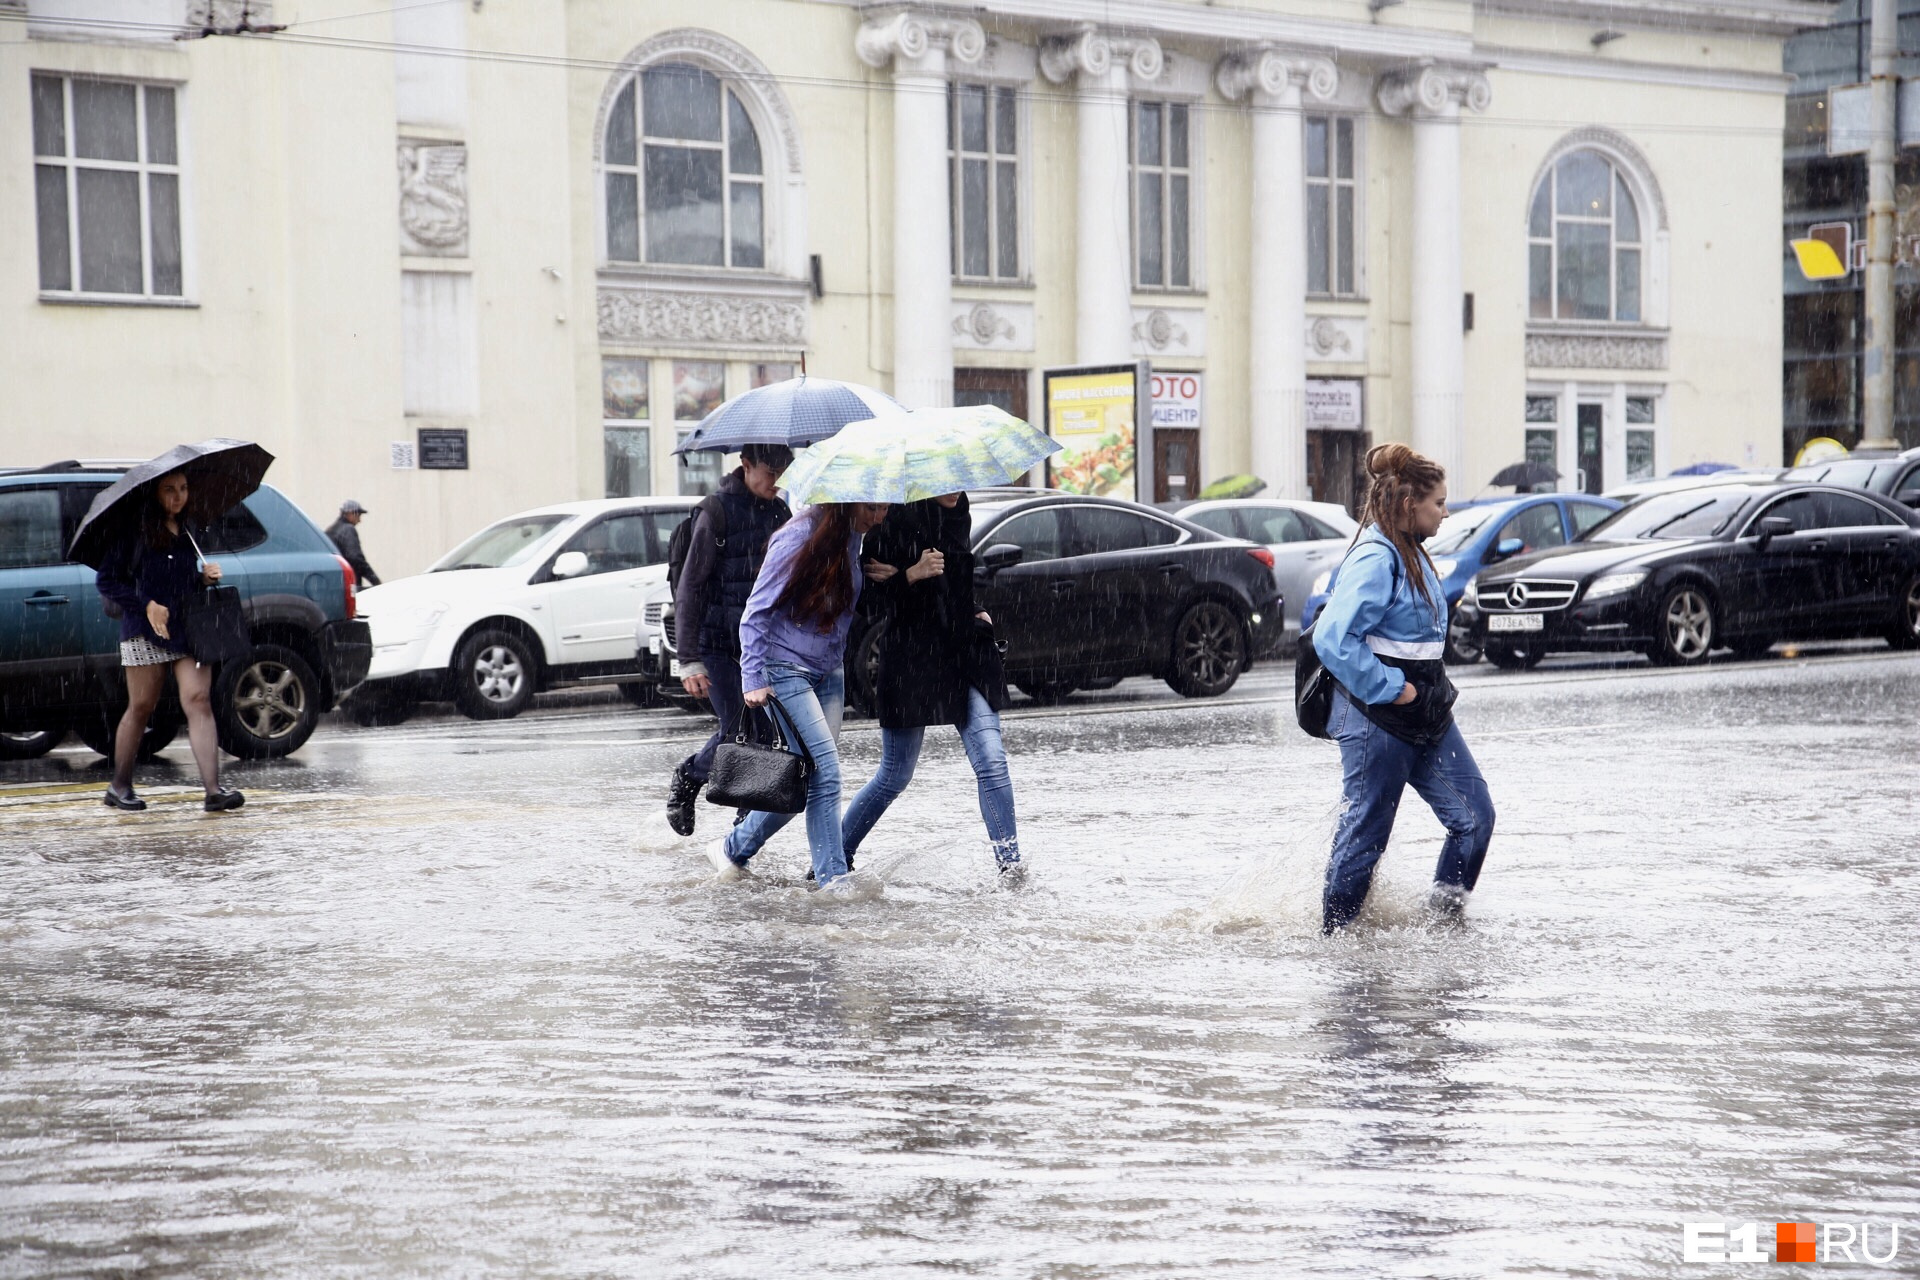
<point>546,597</point>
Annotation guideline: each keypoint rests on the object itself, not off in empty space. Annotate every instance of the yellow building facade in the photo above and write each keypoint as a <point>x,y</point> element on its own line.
<point>542,239</point>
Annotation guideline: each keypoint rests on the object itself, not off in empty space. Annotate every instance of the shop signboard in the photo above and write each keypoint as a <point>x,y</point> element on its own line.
<point>1095,413</point>
<point>1335,404</point>
<point>1176,399</point>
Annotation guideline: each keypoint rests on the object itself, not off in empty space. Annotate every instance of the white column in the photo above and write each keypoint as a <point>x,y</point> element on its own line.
<point>1432,96</point>
<point>1274,81</point>
<point>919,47</point>
<point>1103,67</point>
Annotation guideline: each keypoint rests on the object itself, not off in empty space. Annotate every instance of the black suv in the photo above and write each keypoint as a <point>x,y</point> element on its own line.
<point>60,652</point>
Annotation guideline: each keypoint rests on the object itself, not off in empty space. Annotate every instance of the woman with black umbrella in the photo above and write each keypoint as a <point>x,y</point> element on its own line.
<point>938,665</point>
<point>148,575</point>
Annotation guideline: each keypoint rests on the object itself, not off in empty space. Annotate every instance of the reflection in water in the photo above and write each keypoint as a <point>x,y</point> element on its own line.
<point>429,1013</point>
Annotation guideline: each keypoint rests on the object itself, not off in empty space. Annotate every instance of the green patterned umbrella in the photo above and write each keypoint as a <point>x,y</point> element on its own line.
<point>905,457</point>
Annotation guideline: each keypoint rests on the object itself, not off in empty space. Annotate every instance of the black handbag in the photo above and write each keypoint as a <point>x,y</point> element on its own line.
<point>211,623</point>
<point>764,777</point>
<point>1313,687</point>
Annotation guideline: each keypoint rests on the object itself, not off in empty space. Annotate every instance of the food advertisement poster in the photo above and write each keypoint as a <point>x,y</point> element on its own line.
<point>1094,414</point>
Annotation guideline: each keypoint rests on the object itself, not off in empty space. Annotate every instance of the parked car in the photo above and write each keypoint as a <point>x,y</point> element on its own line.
<point>544,598</point>
<point>1634,490</point>
<point>1679,575</point>
<point>1895,476</point>
<point>659,655</point>
<point>60,651</point>
<point>1478,534</point>
<point>1306,538</point>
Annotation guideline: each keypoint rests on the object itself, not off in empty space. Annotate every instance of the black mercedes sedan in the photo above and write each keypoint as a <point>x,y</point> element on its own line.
<point>1678,575</point>
<point>1087,591</point>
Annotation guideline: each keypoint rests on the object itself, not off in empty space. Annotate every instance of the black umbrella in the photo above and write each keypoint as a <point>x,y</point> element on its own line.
<point>1525,475</point>
<point>219,474</point>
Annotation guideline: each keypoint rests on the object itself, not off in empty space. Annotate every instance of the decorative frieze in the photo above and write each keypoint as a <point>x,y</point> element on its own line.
<point>1167,331</point>
<point>1337,339</point>
<point>1596,351</point>
<point>696,318</point>
<point>433,199</point>
<point>1434,89</point>
<point>993,326</point>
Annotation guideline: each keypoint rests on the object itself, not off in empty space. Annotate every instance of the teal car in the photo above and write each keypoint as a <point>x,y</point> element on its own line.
<point>60,650</point>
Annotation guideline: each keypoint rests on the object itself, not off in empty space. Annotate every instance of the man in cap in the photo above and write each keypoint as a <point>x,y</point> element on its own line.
<point>347,538</point>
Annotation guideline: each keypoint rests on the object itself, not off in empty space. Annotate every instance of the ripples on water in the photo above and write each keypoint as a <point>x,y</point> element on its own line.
<point>378,1031</point>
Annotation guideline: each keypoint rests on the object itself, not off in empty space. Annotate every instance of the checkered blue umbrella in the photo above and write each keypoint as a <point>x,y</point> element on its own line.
<point>796,412</point>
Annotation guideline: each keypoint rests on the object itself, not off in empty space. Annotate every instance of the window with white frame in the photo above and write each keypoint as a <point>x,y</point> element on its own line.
<point>106,168</point>
<point>1584,246</point>
<point>983,135</point>
<point>1543,431</point>
<point>1162,196</point>
<point>1333,213</point>
<point>685,181</point>
<point>1642,417</point>
<point>626,414</point>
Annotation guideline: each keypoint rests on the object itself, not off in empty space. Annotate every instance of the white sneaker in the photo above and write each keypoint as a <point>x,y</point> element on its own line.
<point>851,887</point>
<point>1012,875</point>
<point>725,869</point>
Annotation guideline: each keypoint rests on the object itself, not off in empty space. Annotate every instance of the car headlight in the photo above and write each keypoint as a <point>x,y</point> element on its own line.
<point>1614,584</point>
<point>1321,583</point>
<point>1472,593</point>
<point>1445,568</point>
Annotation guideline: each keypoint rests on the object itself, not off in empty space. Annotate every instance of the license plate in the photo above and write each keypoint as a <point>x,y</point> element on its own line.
<point>673,668</point>
<point>1515,622</point>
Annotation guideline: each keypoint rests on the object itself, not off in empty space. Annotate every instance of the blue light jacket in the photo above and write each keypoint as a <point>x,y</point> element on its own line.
<point>1374,613</point>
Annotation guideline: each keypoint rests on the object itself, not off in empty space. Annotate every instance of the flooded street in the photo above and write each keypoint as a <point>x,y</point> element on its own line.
<point>449,999</point>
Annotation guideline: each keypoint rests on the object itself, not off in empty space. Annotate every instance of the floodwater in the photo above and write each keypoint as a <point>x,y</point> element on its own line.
<point>449,1000</point>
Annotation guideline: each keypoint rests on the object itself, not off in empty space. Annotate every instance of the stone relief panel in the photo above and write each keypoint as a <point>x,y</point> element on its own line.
<point>993,326</point>
<point>433,199</point>
<point>686,318</point>
<point>1595,351</point>
<point>1337,339</point>
<point>1169,331</point>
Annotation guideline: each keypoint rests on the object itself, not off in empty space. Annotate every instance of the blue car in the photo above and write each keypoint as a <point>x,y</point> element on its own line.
<point>1481,533</point>
<point>60,652</point>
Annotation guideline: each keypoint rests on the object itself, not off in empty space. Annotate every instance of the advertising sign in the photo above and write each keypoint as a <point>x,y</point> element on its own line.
<point>1176,399</point>
<point>1095,414</point>
<point>1334,404</point>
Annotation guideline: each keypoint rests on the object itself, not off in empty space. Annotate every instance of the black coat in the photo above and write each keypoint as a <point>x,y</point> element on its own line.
<point>932,648</point>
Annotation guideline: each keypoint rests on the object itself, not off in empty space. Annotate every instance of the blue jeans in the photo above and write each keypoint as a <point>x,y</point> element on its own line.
<point>900,751</point>
<point>723,672</point>
<point>814,702</point>
<point>1378,767</point>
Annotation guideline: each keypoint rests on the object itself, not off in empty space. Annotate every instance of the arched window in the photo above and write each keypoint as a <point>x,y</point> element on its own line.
<point>1585,250</point>
<point>684,175</point>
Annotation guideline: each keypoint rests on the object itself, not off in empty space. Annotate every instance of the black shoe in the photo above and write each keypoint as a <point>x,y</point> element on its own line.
<point>224,799</point>
<point>680,797</point>
<point>130,802</point>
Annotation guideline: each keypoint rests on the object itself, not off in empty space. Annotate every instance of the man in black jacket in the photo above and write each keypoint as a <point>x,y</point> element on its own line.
<point>347,538</point>
<point>723,558</point>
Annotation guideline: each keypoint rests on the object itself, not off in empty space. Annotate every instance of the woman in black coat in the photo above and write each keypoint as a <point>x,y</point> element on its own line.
<point>148,577</point>
<point>938,664</point>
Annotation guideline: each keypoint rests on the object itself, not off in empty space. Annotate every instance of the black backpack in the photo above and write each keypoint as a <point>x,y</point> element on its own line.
<point>682,540</point>
<point>1313,684</point>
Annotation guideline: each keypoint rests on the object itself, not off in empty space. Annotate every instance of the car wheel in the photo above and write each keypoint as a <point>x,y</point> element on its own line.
<point>1684,627</point>
<point>493,676</point>
<point>98,728</point>
<point>641,693</point>
<point>31,744</point>
<point>1045,692</point>
<point>863,672</point>
<point>266,705</point>
<point>1209,650</point>
<point>1510,659</point>
<point>1905,631</point>
<point>1462,649</point>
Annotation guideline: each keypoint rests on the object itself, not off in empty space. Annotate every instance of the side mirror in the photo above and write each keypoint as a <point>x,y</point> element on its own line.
<point>1772,527</point>
<point>1001,555</point>
<point>1505,549</point>
<point>569,564</point>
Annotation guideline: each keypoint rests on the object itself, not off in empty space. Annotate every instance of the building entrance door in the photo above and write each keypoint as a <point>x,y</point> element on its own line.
<point>1002,388</point>
<point>1176,463</point>
<point>1587,432</point>
<point>1334,459</point>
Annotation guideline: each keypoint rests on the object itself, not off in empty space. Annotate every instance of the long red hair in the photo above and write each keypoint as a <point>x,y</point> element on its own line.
<point>820,585</point>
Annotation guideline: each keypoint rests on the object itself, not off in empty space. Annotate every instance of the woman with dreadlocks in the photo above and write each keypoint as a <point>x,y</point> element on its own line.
<point>1382,635</point>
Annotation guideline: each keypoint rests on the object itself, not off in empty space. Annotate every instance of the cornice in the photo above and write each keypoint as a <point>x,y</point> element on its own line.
<point>1548,63</point>
<point>1779,18</point>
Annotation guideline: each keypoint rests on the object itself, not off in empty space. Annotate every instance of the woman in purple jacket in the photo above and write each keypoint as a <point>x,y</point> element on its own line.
<point>793,637</point>
<point>147,577</point>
